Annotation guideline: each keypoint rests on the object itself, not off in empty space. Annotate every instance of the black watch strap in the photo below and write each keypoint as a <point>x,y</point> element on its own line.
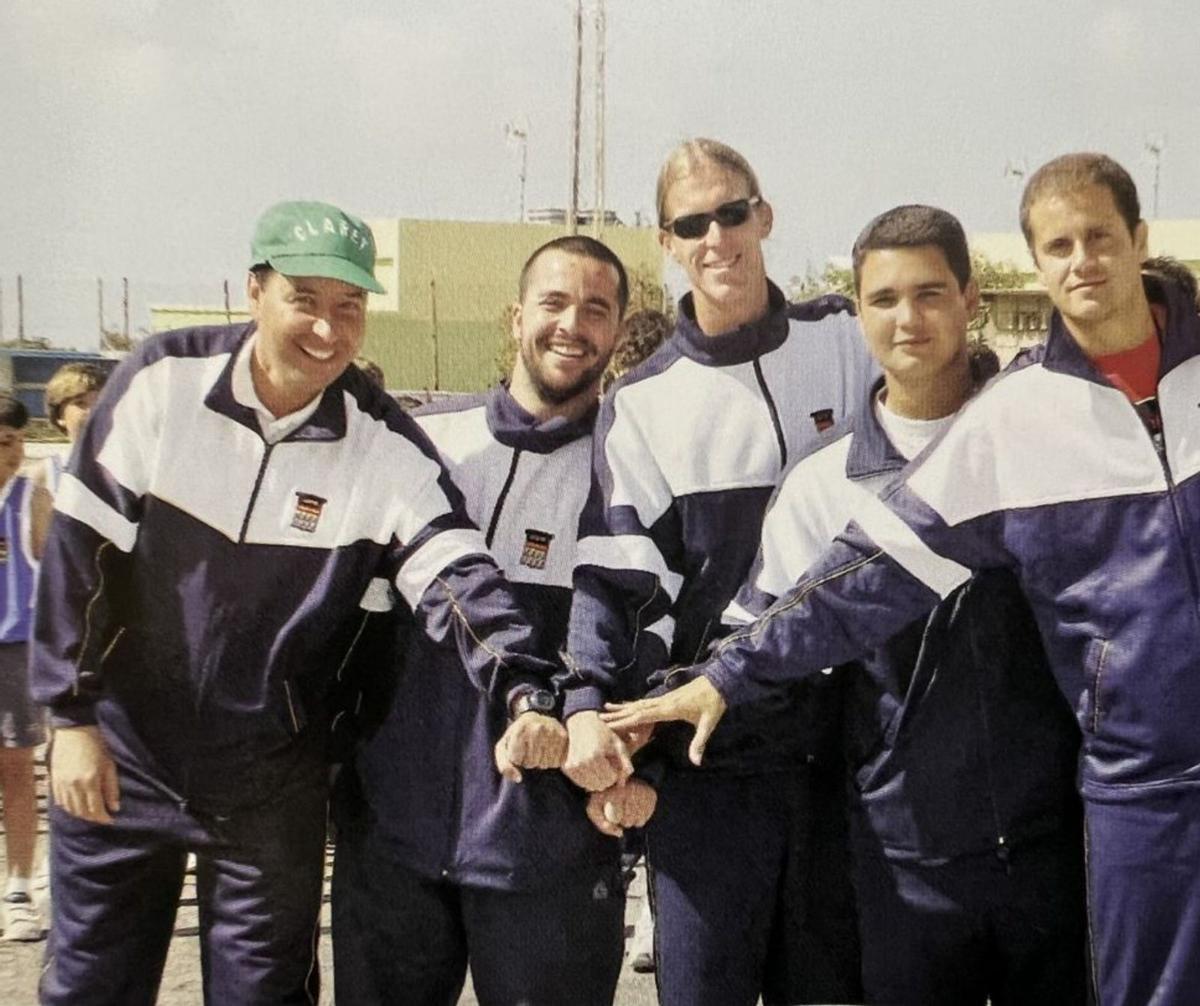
<point>532,700</point>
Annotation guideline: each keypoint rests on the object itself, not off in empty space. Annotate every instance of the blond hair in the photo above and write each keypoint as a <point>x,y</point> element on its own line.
<point>683,159</point>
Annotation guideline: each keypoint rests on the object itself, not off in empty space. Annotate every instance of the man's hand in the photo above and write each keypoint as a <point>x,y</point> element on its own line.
<point>83,778</point>
<point>620,807</point>
<point>597,758</point>
<point>697,702</point>
<point>531,741</point>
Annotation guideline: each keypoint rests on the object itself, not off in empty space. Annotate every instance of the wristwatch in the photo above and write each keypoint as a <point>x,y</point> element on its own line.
<point>532,700</point>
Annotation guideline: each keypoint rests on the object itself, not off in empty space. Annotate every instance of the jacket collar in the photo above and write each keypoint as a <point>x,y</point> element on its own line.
<point>871,452</point>
<point>328,421</point>
<point>512,426</point>
<point>739,345</point>
<point>1180,336</point>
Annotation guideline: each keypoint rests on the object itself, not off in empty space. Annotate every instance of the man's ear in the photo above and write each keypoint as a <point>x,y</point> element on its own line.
<point>515,328</point>
<point>766,218</point>
<point>1141,240</point>
<point>254,292</point>
<point>971,294</point>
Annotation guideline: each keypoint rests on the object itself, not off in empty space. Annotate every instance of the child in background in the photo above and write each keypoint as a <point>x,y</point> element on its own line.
<point>24,518</point>
<point>70,395</point>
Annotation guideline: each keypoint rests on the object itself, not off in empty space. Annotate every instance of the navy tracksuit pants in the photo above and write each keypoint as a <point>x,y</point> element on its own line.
<point>751,888</point>
<point>400,938</point>
<point>258,886</point>
<point>1143,858</point>
<point>974,929</point>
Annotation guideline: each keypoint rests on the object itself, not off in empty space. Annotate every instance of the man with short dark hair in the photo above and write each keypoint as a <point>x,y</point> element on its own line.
<point>1079,471</point>
<point>234,494</point>
<point>441,862</point>
<point>961,753</point>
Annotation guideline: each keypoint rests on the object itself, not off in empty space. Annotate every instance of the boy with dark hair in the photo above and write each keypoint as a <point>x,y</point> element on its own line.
<point>24,515</point>
<point>967,851</point>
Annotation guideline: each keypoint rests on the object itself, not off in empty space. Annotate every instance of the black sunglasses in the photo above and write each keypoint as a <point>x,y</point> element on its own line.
<point>694,225</point>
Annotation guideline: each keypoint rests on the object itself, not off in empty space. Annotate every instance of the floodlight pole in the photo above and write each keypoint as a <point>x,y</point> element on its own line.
<point>573,211</point>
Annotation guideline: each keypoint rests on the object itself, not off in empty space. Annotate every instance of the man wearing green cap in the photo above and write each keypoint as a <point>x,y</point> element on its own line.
<point>234,495</point>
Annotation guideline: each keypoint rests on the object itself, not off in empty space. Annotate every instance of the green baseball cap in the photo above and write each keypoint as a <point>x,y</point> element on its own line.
<point>316,239</point>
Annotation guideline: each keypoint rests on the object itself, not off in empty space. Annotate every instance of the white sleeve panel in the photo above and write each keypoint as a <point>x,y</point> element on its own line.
<point>424,565</point>
<point>78,501</point>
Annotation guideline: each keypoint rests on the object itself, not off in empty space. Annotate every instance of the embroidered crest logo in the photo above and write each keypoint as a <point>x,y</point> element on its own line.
<point>308,512</point>
<point>537,547</point>
<point>822,419</point>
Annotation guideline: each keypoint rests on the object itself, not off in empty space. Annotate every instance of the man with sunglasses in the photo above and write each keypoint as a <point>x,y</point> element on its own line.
<point>688,449</point>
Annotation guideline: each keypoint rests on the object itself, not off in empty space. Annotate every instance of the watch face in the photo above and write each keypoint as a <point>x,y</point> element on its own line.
<point>542,702</point>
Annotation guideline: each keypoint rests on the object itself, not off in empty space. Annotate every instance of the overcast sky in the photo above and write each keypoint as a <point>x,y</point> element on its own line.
<point>143,137</point>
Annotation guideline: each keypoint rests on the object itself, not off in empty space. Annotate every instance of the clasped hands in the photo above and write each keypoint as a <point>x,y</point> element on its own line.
<point>592,755</point>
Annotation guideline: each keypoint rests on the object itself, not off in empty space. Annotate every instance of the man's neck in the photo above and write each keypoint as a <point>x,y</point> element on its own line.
<point>1127,330</point>
<point>575,407</point>
<point>941,395</point>
<point>717,319</point>
<point>276,402</point>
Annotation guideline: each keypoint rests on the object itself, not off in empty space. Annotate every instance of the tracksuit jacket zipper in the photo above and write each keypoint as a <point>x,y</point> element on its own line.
<point>494,522</point>
<point>1158,440</point>
<point>766,393</point>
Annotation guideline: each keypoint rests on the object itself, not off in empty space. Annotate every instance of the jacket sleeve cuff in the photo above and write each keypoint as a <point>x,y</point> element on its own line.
<point>585,698</point>
<point>81,714</point>
<point>733,688</point>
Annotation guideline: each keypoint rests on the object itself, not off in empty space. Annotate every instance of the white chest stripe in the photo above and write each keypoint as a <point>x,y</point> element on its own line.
<point>901,543</point>
<point>1037,438</point>
<point>1179,400</point>
<point>78,501</point>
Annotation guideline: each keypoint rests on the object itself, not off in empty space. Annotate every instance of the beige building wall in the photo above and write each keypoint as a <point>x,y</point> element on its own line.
<point>1019,318</point>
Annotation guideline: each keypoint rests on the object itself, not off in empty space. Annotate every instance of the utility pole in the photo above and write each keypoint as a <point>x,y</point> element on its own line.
<point>100,309</point>
<point>125,307</point>
<point>20,309</point>
<point>573,209</point>
<point>517,131</point>
<point>1155,146</point>
<point>598,203</point>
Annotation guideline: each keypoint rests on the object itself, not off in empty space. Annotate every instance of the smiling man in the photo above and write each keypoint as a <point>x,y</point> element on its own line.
<point>442,862</point>
<point>234,495</point>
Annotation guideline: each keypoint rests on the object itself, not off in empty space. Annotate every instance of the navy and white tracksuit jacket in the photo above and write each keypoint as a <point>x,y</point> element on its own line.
<point>201,586</point>
<point>688,449</point>
<point>956,738</point>
<point>1051,473</point>
<point>687,452</point>
<point>961,755</point>
<point>428,772</point>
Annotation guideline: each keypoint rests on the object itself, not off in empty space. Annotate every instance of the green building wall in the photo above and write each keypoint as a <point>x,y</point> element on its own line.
<point>453,283</point>
<point>440,325</point>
